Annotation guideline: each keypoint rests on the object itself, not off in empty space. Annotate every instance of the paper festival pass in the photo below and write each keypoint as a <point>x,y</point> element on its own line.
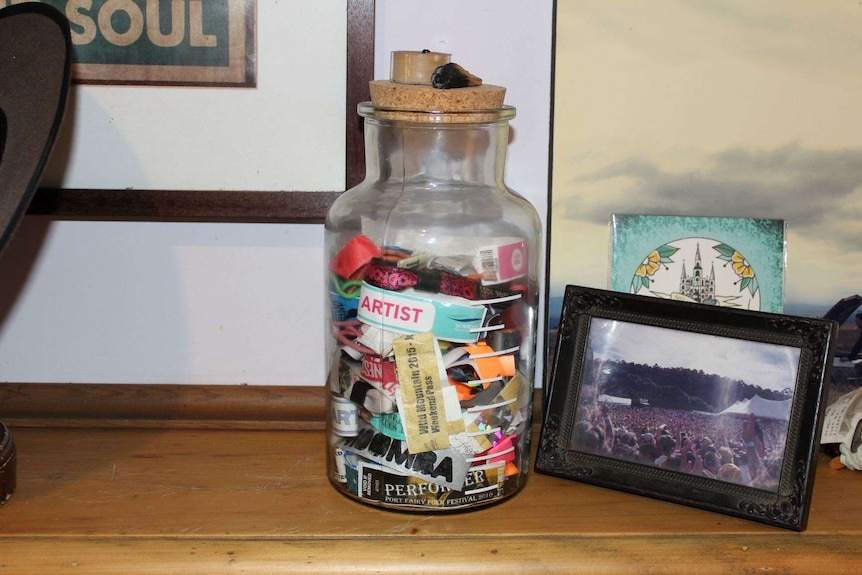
<point>423,407</point>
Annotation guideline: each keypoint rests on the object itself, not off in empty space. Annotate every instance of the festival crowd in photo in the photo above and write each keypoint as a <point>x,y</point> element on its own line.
<point>738,448</point>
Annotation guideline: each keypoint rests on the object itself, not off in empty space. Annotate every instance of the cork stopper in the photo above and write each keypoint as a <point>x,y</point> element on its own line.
<point>408,67</point>
<point>410,93</point>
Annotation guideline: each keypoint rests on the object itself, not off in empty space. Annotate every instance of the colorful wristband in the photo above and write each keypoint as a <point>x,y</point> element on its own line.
<point>355,255</point>
<point>391,277</point>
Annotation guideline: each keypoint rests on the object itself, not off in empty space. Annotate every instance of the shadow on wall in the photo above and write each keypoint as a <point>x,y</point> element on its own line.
<point>89,302</point>
<point>17,261</point>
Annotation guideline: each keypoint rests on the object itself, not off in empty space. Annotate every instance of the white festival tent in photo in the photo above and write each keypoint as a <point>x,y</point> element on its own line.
<point>765,408</point>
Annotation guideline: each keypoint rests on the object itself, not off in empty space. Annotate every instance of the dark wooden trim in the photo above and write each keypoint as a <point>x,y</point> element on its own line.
<point>156,405</point>
<point>246,206</point>
<point>183,205</point>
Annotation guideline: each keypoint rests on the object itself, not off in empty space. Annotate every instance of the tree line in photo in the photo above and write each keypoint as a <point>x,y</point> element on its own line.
<point>676,387</point>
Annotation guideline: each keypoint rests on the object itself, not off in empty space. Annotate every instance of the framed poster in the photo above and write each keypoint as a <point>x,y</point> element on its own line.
<point>735,110</point>
<point>272,137</point>
<point>186,43</point>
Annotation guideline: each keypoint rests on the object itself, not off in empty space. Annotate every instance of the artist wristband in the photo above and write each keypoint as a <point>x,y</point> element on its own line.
<point>450,319</point>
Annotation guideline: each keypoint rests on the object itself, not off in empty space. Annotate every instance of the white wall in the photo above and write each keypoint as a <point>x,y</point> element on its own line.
<point>151,302</point>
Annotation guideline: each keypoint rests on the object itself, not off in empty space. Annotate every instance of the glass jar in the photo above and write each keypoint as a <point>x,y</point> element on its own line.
<point>432,299</point>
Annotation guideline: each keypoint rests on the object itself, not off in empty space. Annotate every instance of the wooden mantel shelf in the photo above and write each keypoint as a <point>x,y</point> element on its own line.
<point>161,499</point>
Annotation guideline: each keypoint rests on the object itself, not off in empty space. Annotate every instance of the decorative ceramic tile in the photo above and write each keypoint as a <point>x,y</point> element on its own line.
<point>731,262</point>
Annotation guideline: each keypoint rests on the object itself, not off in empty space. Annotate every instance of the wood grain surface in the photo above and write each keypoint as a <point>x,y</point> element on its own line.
<point>112,500</point>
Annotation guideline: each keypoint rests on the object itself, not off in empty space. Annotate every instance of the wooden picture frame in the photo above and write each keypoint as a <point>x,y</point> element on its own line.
<point>727,401</point>
<point>295,206</point>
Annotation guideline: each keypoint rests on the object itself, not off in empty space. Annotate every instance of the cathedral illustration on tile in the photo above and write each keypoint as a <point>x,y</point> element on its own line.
<point>696,286</point>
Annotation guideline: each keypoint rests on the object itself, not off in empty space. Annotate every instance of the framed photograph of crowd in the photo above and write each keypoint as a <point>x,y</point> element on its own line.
<point>710,407</point>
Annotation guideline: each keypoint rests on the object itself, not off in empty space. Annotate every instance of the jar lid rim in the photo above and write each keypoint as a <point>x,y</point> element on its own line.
<point>369,110</point>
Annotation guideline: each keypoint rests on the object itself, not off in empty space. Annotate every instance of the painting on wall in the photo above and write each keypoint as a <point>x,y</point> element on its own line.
<point>735,110</point>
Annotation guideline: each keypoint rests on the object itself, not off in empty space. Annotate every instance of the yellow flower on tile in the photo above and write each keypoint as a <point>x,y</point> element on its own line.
<point>650,265</point>
<point>741,266</point>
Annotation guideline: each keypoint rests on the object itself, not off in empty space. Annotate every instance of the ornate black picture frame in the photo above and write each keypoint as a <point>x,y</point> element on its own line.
<point>705,406</point>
